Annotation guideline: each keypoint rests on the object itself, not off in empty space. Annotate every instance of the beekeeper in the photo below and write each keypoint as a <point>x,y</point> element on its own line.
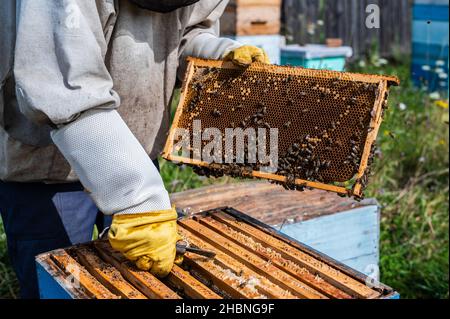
<point>84,109</point>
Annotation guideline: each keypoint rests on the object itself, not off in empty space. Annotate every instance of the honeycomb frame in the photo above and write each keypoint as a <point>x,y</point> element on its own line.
<point>373,117</point>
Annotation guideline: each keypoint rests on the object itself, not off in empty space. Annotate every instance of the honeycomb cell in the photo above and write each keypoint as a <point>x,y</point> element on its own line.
<point>323,118</point>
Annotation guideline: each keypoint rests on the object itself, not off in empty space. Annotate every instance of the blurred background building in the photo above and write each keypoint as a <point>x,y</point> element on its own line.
<point>327,33</point>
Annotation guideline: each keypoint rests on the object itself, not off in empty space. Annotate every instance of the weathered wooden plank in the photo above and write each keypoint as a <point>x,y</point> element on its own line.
<point>251,18</point>
<point>258,20</point>
<point>191,287</point>
<point>253,261</point>
<point>264,285</point>
<point>148,284</point>
<point>53,281</point>
<point>81,276</point>
<point>207,271</point>
<point>265,251</point>
<point>268,203</point>
<point>346,19</point>
<point>178,278</point>
<point>108,275</point>
<point>332,275</point>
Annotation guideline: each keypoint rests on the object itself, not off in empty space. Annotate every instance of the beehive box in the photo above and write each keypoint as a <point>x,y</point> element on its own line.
<point>251,17</point>
<point>341,228</point>
<point>430,44</point>
<point>252,261</point>
<point>316,56</point>
<point>327,122</point>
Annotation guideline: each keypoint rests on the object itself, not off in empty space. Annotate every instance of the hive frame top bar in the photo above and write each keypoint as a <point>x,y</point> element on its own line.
<point>285,70</point>
<point>383,82</point>
<point>95,270</point>
<point>242,217</point>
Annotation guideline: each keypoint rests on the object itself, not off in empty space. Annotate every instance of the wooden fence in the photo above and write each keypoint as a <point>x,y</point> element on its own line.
<point>312,21</point>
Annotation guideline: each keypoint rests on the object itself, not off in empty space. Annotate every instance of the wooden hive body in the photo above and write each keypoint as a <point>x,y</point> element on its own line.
<point>252,261</point>
<point>251,17</point>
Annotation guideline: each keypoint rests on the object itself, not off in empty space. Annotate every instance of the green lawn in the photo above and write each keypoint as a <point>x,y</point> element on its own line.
<point>8,283</point>
<point>410,181</point>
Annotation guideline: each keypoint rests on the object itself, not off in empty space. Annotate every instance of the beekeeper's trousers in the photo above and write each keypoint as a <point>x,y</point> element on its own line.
<point>40,217</point>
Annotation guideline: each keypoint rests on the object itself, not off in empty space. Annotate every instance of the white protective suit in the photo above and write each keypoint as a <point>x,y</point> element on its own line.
<point>85,92</point>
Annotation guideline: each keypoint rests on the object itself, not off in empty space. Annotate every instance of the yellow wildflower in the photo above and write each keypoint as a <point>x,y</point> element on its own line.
<point>441,103</point>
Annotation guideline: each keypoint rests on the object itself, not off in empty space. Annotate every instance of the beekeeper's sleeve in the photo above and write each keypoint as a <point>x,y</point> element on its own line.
<point>62,80</point>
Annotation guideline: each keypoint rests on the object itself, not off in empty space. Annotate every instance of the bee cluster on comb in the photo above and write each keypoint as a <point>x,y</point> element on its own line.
<point>326,122</point>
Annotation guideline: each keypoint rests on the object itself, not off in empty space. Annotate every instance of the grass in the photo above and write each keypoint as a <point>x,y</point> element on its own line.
<point>410,181</point>
<point>8,283</point>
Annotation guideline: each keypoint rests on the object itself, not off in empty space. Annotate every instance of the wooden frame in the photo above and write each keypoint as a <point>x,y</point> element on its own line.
<point>383,82</point>
<point>252,261</point>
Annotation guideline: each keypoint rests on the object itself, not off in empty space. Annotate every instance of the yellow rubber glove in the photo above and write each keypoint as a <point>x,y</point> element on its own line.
<point>246,55</point>
<point>147,239</point>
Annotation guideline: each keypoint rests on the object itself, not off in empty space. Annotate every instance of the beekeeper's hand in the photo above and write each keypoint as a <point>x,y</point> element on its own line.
<point>147,239</point>
<point>246,55</point>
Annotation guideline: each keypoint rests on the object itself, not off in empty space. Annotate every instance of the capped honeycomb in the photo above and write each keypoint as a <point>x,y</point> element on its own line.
<point>326,121</point>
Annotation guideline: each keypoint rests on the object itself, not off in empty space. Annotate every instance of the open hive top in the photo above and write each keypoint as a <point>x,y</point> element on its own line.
<point>327,121</point>
<point>252,261</point>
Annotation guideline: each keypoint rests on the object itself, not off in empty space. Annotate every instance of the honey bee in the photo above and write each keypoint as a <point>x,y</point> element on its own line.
<point>216,113</point>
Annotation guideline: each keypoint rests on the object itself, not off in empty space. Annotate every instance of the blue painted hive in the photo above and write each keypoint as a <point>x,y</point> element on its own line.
<point>315,56</point>
<point>430,44</point>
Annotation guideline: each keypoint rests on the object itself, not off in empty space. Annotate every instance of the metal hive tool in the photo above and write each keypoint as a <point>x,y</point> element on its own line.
<point>252,261</point>
<point>327,121</point>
